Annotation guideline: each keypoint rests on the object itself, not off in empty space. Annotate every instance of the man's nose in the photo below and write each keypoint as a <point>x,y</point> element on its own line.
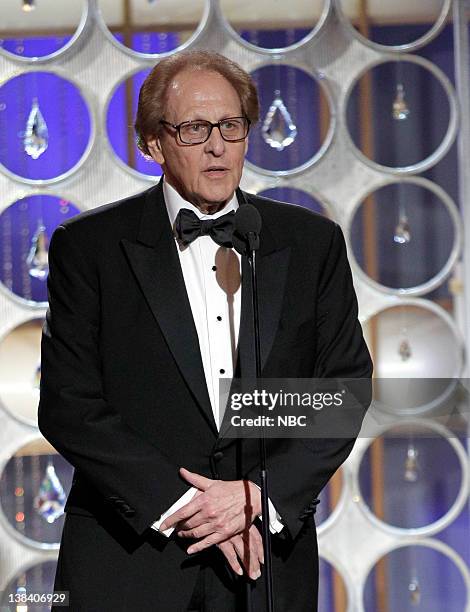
<point>215,144</point>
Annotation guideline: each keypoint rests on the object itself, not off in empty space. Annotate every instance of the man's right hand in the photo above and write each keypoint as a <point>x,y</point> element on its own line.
<point>244,548</point>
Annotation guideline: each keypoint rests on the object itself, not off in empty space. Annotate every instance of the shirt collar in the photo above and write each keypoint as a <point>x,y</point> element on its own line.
<point>174,202</point>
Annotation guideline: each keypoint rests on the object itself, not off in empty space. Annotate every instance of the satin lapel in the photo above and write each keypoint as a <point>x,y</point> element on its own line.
<point>272,267</point>
<point>155,262</point>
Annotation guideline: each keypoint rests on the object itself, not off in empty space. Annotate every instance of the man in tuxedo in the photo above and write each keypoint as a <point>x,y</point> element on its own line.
<point>149,305</point>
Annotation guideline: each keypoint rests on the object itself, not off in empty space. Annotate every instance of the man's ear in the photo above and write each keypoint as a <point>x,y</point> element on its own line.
<point>246,145</point>
<point>155,148</point>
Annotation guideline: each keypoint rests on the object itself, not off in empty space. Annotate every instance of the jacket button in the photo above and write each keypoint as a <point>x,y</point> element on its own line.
<point>218,456</point>
<point>129,511</point>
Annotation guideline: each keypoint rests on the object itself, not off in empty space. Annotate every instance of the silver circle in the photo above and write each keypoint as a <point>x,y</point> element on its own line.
<point>412,46</point>
<point>449,321</point>
<point>451,514</point>
<point>19,537</point>
<point>137,54</point>
<point>86,96</point>
<point>115,157</point>
<point>14,296</point>
<point>452,128</point>
<point>53,56</point>
<point>439,278</point>
<point>314,33</point>
<point>441,547</point>
<point>8,410</point>
<point>325,88</point>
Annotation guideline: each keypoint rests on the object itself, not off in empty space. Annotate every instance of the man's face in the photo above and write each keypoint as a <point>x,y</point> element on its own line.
<point>204,174</point>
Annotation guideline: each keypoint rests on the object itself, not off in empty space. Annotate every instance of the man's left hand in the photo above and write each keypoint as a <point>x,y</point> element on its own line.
<point>222,509</point>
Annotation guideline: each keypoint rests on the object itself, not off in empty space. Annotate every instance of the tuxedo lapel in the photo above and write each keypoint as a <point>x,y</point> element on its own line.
<point>155,262</point>
<point>272,267</point>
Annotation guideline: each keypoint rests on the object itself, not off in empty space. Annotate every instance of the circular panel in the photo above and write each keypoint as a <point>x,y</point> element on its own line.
<point>413,340</point>
<point>415,579</point>
<point>45,126</point>
<point>411,110</point>
<point>25,230</point>
<point>402,479</point>
<point>20,371</point>
<point>34,486</point>
<point>332,591</point>
<point>394,25</point>
<point>120,115</point>
<point>294,125</point>
<point>295,196</point>
<point>150,27</point>
<point>26,32</point>
<point>38,579</point>
<point>274,25</point>
<point>416,238</point>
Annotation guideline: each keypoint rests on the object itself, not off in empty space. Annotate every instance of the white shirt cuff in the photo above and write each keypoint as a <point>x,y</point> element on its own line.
<point>275,525</point>
<point>182,501</point>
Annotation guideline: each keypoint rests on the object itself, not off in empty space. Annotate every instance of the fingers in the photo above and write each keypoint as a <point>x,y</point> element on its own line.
<point>228,551</point>
<point>197,480</point>
<point>196,532</point>
<point>257,542</point>
<point>247,552</point>
<point>210,540</point>
<point>184,513</point>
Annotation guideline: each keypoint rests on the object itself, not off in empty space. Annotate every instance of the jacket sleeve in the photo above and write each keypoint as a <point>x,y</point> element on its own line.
<point>300,468</point>
<point>129,473</point>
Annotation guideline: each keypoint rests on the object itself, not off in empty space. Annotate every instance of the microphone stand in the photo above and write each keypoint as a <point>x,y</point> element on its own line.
<point>253,242</point>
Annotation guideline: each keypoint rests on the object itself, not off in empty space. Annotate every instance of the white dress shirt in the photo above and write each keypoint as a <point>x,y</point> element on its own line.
<point>212,275</point>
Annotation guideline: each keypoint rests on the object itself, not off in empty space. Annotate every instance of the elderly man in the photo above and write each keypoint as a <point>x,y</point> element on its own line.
<point>147,310</point>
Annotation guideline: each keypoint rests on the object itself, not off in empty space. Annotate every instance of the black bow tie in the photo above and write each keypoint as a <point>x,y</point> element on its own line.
<point>188,227</point>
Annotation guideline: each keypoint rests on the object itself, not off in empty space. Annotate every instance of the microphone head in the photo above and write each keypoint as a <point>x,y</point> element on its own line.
<point>247,226</point>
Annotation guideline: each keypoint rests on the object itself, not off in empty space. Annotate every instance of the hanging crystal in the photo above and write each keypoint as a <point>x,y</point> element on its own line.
<point>38,256</point>
<point>414,591</point>
<point>28,5</point>
<point>400,110</point>
<point>404,350</point>
<point>50,500</point>
<point>278,129</point>
<point>411,464</point>
<point>36,135</point>
<point>402,230</point>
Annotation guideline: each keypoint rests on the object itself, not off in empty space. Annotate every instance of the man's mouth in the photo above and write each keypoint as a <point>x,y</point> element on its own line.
<point>216,171</point>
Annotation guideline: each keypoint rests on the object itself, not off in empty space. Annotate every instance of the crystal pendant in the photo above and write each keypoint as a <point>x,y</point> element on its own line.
<point>36,135</point>
<point>28,5</point>
<point>38,260</point>
<point>414,591</point>
<point>400,110</point>
<point>411,464</point>
<point>402,231</point>
<point>278,130</point>
<point>50,500</point>
<point>404,350</point>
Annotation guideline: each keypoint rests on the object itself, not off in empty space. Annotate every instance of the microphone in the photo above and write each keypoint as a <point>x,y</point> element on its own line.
<point>247,226</point>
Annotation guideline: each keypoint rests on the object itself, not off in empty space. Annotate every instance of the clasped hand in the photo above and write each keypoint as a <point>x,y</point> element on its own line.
<point>221,513</point>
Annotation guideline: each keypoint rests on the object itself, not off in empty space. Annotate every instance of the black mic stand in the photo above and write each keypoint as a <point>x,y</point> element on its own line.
<point>253,244</point>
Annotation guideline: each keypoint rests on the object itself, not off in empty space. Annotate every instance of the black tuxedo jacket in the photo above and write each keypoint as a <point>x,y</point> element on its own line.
<point>124,400</point>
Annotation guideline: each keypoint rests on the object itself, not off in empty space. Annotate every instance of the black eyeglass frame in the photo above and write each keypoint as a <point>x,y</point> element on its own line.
<point>212,126</point>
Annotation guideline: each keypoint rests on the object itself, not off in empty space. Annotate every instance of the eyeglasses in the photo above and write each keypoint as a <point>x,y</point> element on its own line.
<point>232,129</point>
